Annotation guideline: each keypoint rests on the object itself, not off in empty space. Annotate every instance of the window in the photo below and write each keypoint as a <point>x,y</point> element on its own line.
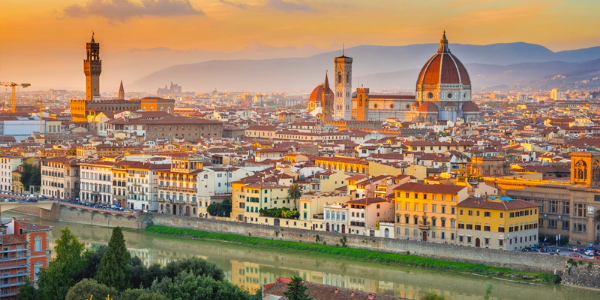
<point>487,214</point>
<point>477,213</point>
<point>566,208</point>
<point>470,226</point>
<point>580,210</point>
<point>500,242</point>
<point>460,212</point>
<point>486,228</point>
<point>470,213</point>
<point>460,238</point>
<point>443,209</point>
<point>501,215</point>
<point>433,208</point>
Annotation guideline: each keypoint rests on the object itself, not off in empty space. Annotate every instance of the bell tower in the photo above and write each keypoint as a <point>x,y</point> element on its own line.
<point>343,88</point>
<point>92,67</point>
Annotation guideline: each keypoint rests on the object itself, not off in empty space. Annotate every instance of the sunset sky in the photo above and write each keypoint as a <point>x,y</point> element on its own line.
<point>34,30</point>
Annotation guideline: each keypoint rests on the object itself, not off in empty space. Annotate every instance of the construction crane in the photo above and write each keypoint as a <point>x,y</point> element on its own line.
<point>14,85</point>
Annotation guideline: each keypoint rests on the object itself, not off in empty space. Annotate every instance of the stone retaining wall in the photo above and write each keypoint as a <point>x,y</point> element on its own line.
<point>498,258</point>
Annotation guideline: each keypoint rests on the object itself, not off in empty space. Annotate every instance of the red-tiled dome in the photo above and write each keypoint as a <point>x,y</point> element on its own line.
<point>428,107</point>
<point>450,104</point>
<point>443,68</point>
<point>317,94</point>
<point>470,107</point>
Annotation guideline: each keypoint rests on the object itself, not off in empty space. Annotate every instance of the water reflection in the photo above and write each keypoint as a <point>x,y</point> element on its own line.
<point>251,267</point>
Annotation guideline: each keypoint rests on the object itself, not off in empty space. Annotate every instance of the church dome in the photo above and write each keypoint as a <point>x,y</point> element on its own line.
<point>470,107</point>
<point>317,94</point>
<point>443,68</point>
<point>428,107</point>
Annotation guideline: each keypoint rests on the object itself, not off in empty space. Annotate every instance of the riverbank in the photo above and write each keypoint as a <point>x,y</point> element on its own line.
<point>340,251</point>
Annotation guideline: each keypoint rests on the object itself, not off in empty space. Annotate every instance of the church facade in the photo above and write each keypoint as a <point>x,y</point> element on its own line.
<point>443,92</point>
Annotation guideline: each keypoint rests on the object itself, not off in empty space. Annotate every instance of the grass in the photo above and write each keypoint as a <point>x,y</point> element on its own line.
<point>356,254</point>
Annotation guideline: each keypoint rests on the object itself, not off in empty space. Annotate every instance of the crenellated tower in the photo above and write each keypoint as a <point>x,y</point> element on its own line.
<point>92,67</point>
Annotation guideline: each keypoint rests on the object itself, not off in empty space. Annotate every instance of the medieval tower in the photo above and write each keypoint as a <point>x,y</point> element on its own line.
<point>92,67</point>
<point>343,88</point>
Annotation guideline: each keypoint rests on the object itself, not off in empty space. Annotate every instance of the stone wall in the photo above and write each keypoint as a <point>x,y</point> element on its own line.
<point>84,215</point>
<point>582,273</point>
<point>497,258</point>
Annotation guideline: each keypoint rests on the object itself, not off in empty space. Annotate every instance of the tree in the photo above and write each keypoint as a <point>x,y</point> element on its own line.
<point>220,209</point>
<point>114,267</point>
<point>195,265</point>
<point>92,261</point>
<point>140,294</point>
<point>432,295</point>
<point>294,193</point>
<point>297,289</point>
<point>89,287</point>
<point>188,286</point>
<point>27,291</point>
<point>54,282</point>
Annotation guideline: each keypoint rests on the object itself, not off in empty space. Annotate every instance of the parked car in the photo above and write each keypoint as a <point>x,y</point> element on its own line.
<point>575,255</point>
<point>573,248</point>
<point>526,249</point>
<point>597,257</point>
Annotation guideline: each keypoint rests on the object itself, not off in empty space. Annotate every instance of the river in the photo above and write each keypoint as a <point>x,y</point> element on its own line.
<point>251,267</point>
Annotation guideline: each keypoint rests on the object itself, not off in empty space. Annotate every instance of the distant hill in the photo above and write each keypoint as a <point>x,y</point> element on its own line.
<point>383,67</point>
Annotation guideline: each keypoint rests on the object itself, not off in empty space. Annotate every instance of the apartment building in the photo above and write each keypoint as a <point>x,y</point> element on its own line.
<point>142,185</point>
<point>96,182</point>
<point>25,251</point>
<point>497,223</point>
<point>7,165</point>
<point>178,186</point>
<point>215,185</point>
<point>427,212</point>
<point>264,196</point>
<point>60,178</point>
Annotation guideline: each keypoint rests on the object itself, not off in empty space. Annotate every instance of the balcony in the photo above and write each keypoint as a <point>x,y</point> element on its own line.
<point>424,226</point>
<point>177,188</point>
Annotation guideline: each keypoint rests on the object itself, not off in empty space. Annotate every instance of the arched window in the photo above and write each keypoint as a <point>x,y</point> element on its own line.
<point>339,77</point>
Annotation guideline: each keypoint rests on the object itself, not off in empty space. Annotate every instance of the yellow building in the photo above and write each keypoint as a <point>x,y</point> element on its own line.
<point>427,211</point>
<point>264,196</point>
<point>346,164</point>
<point>497,223</point>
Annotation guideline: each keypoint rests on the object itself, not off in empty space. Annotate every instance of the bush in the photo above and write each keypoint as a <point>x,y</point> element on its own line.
<point>280,213</point>
<point>88,287</point>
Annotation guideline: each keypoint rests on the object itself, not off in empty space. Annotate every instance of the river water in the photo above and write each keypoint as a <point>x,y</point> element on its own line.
<point>250,267</point>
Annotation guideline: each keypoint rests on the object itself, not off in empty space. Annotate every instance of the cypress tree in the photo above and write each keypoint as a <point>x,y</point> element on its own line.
<point>296,289</point>
<point>114,267</point>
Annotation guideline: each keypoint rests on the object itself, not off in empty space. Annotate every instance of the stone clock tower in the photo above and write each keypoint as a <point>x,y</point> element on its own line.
<point>92,67</point>
<point>343,88</point>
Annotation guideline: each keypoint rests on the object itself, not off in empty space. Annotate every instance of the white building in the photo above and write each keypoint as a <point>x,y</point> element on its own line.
<point>7,165</point>
<point>96,182</point>
<point>336,217</point>
<point>215,183</point>
<point>142,186</point>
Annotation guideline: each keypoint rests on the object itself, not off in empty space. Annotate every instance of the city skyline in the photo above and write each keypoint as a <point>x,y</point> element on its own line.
<point>42,42</point>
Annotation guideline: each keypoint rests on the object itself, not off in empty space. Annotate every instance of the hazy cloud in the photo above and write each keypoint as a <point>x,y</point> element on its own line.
<point>122,10</point>
<point>288,6</point>
<point>238,5</point>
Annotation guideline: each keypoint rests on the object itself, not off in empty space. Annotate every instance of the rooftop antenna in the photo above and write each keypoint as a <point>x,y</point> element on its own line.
<point>343,49</point>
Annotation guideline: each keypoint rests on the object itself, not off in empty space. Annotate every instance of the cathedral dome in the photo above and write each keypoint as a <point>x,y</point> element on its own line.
<point>317,94</point>
<point>428,107</point>
<point>443,68</point>
<point>470,107</point>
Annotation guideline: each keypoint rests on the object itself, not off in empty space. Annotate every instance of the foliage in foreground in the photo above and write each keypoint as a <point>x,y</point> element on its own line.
<point>352,253</point>
<point>72,276</point>
<point>297,289</point>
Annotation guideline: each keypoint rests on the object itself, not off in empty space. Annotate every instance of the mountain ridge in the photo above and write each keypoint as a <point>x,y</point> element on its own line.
<point>304,73</point>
